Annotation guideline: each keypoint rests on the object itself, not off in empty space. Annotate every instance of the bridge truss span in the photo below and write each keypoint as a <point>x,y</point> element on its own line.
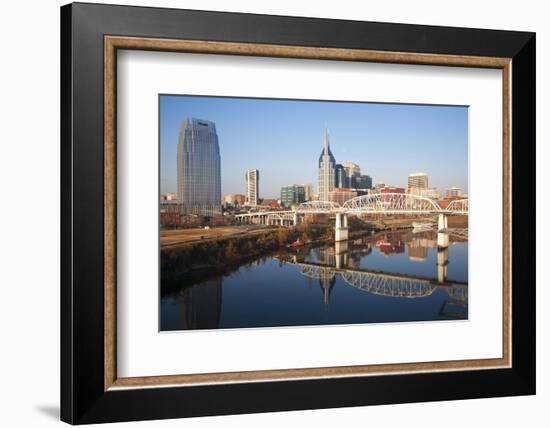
<point>383,284</point>
<point>458,206</point>
<point>392,203</point>
<point>318,206</point>
<point>373,204</point>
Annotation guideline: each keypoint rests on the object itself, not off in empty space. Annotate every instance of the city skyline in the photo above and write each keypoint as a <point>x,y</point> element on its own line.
<point>387,141</point>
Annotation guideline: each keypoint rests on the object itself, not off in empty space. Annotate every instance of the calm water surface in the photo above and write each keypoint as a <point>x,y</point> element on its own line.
<point>388,277</point>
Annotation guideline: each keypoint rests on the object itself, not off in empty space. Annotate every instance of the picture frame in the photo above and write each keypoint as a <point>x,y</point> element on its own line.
<point>91,391</point>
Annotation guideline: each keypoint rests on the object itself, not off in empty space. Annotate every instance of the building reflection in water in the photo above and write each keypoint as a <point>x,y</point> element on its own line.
<point>199,306</point>
<point>417,248</point>
<point>327,283</point>
<point>348,254</point>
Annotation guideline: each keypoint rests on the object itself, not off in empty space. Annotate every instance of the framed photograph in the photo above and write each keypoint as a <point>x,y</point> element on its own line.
<point>266,213</point>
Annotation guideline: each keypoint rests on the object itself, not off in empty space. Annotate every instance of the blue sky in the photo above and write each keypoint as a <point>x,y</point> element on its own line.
<point>284,138</point>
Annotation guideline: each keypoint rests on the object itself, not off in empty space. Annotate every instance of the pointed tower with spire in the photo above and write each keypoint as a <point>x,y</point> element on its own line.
<point>327,165</point>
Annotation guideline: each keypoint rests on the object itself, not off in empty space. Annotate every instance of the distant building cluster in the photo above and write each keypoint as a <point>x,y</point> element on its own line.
<point>199,179</point>
<point>391,189</point>
<point>340,182</point>
<point>335,182</point>
<point>352,177</point>
<point>168,197</point>
<point>453,192</point>
<point>235,200</point>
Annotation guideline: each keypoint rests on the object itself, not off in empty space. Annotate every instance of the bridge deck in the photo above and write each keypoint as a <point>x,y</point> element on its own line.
<point>353,211</point>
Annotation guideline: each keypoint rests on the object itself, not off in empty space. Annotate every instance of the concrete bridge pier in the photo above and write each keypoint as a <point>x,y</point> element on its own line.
<point>442,223</point>
<point>341,254</point>
<point>341,232</point>
<point>442,235</point>
<point>442,262</point>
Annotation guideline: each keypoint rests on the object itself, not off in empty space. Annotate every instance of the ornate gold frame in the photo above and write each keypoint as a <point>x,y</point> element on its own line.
<point>113,43</point>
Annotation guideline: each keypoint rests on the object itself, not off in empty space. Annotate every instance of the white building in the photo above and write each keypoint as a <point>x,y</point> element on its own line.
<point>252,193</point>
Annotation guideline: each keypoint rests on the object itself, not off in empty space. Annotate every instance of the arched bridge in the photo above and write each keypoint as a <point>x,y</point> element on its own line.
<point>386,203</point>
<point>377,203</point>
<point>384,284</point>
<point>374,204</point>
<point>400,203</point>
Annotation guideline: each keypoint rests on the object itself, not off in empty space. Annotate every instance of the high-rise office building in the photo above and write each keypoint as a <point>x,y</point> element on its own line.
<point>341,179</point>
<point>293,195</point>
<point>417,181</point>
<point>363,182</point>
<point>252,179</point>
<point>352,168</point>
<point>327,173</point>
<point>198,168</point>
<point>352,172</point>
<point>308,189</point>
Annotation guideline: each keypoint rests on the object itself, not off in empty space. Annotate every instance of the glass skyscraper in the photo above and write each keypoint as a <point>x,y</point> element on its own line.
<point>341,179</point>
<point>352,172</point>
<point>327,174</point>
<point>363,181</point>
<point>198,163</point>
<point>293,195</point>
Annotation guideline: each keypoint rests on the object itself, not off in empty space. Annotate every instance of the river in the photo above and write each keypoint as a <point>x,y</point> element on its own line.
<point>397,276</point>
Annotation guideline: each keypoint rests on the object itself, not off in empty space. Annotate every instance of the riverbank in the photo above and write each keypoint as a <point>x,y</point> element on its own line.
<point>202,253</point>
<point>224,253</point>
<point>179,237</point>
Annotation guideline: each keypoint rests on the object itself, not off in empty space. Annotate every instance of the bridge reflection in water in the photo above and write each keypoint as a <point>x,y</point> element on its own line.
<point>379,283</point>
<point>388,269</point>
